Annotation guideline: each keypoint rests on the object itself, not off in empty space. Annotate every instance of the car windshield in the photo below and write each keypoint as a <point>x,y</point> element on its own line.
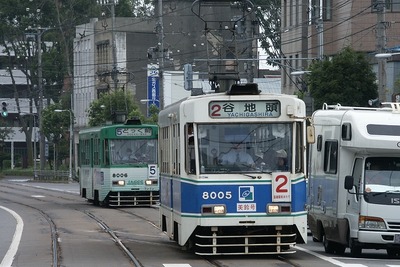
<point>382,174</point>
<point>225,148</point>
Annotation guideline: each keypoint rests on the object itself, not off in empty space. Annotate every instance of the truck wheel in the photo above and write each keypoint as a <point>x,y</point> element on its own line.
<point>328,245</point>
<point>355,250</point>
<point>393,252</point>
<point>340,249</point>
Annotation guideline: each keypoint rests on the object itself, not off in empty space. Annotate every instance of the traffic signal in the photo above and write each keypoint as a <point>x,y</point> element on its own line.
<point>4,111</point>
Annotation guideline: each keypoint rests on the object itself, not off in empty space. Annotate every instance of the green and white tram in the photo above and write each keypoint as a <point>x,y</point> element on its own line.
<point>118,164</point>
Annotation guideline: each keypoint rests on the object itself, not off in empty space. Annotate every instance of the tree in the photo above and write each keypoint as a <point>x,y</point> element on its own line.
<point>56,127</point>
<point>269,18</point>
<point>347,79</point>
<point>110,103</point>
<point>54,21</point>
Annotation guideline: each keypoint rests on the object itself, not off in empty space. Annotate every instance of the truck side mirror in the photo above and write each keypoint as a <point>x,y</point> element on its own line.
<point>348,182</point>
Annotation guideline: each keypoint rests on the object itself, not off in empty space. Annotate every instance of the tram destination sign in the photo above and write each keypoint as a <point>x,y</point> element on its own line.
<point>133,132</point>
<point>244,109</point>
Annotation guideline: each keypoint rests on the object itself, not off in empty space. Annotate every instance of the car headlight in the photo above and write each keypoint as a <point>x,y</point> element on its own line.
<point>369,222</point>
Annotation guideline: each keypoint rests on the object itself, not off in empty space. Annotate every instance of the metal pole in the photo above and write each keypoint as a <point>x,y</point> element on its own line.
<point>34,146</point>
<point>114,72</point>
<point>42,137</point>
<point>70,145</point>
<point>161,44</point>
<point>380,48</point>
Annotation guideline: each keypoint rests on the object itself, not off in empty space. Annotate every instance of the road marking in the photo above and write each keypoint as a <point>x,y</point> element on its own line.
<point>12,250</point>
<point>37,196</point>
<point>177,265</point>
<point>333,261</point>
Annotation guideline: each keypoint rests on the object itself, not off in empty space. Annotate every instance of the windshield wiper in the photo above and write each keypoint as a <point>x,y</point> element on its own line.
<point>392,191</point>
<point>386,192</point>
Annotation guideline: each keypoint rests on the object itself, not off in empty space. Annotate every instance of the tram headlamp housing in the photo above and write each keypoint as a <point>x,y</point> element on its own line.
<point>151,182</point>
<point>368,222</point>
<point>213,209</point>
<point>278,208</point>
<point>118,182</point>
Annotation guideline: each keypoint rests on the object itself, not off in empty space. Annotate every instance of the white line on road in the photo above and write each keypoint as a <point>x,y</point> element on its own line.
<point>333,261</point>
<point>177,265</point>
<point>12,250</point>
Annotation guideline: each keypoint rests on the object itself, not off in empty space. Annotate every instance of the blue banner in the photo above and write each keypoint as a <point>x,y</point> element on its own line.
<point>153,87</point>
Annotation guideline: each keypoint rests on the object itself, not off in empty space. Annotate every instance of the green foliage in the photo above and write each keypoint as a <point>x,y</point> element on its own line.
<point>104,108</point>
<point>55,124</point>
<point>347,79</point>
<point>269,17</point>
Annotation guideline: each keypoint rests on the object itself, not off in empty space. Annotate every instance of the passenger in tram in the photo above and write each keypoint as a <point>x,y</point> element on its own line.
<point>281,160</point>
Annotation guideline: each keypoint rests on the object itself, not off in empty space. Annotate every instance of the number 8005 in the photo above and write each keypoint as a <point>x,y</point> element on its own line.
<point>217,195</point>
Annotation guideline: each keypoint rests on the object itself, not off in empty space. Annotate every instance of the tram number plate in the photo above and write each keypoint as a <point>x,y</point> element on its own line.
<point>397,238</point>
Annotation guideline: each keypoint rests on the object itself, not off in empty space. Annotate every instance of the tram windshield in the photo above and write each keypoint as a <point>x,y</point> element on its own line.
<point>244,147</point>
<point>133,151</point>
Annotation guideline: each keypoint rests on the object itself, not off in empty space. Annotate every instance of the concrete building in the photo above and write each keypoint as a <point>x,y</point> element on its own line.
<point>116,54</point>
<point>313,29</point>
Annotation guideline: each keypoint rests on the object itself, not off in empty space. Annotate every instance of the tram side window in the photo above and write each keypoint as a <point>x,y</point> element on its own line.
<point>106,153</point>
<point>299,148</point>
<point>190,154</point>
<point>85,149</point>
<point>96,154</point>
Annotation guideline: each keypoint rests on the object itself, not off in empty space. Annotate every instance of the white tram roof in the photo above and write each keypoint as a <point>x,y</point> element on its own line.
<point>187,106</point>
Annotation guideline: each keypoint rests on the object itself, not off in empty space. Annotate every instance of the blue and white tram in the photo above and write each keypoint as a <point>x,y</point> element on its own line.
<point>217,207</point>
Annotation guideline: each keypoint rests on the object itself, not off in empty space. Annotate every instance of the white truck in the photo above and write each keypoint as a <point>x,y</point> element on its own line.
<point>354,178</point>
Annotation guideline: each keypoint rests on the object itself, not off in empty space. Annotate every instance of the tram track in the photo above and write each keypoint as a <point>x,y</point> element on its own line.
<point>119,238</point>
<point>108,230</point>
<point>56,247</point>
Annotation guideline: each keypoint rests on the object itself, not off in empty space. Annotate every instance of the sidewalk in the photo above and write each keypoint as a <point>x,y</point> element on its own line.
<point>70,187</point>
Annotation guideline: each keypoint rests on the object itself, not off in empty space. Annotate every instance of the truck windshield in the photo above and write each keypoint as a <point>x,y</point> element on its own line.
<point>225,148</point>
<point>382,174</point>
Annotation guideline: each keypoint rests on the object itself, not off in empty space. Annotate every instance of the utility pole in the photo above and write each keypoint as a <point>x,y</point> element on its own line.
<point>42,139</point>
<point>249,35</point>
<point>160,31</point>
<point>114,70</point>
<point>380,48</point>
<point>320,30</point>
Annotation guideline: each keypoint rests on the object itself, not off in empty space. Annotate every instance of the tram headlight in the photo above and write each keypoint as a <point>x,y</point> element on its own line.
<point>213,209</point>
<point>151,182</point>
<point>371,222</point>
<point>279,208</point>
<point>273,208</point>
<point>118,182</point>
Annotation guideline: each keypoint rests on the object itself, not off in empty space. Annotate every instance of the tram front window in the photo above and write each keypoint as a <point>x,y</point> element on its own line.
<point>133,151</point>
<point>244,147</point>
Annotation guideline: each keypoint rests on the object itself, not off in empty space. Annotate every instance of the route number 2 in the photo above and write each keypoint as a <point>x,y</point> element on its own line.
<point>281,187</point>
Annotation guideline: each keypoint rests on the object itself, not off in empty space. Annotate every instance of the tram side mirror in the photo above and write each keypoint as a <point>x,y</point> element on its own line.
<point>348,182</point>
<point>310,134</point>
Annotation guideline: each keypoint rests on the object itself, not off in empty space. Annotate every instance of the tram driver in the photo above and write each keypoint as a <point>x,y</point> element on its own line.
<point>237,156</point>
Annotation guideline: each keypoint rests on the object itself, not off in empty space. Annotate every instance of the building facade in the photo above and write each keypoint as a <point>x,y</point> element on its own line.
<point>314,29</point>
